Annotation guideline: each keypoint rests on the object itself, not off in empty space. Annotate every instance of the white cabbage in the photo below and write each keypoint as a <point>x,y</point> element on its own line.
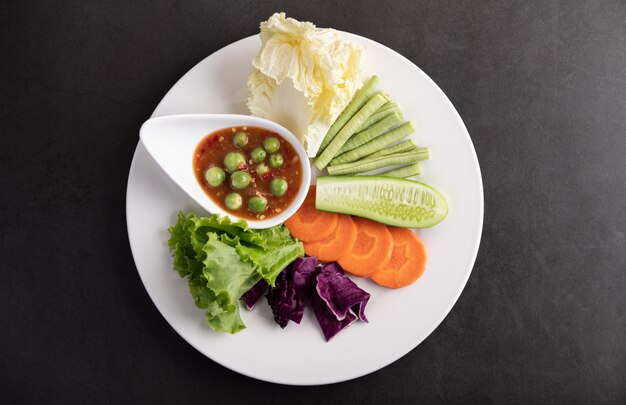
<point>303,78</point>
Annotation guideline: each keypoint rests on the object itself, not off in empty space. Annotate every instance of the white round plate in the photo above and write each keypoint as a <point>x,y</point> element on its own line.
<point>399,319</point>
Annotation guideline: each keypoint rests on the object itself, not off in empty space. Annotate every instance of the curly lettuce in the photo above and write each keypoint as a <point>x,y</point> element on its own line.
<point>222,260</point>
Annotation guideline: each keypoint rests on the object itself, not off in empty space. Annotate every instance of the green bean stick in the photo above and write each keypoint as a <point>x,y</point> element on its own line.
<point>348,130</point>
<point>361,138</point>
<point>389,107</point>
<point>358,101</point>
<point>375,144</point>
<point>376,163</point>
<point>403,146</point>
<point>404,171</point>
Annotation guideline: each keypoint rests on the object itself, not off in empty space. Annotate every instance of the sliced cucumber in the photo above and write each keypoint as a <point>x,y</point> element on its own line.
<point>391,201</point>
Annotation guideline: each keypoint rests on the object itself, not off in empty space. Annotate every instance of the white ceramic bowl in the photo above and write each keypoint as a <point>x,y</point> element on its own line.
<point>172,141</point>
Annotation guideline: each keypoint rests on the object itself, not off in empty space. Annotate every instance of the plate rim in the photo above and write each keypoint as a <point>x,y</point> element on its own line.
<point>457,294</point>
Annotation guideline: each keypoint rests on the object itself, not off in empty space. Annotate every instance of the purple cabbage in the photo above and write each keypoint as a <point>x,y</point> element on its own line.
<point>294,287</point>
<point>304,272</point>
<point>251,296</point>
<point>328,321</point>
<point>336,300</point>
<point>341,294</point>
<point>283,301</point>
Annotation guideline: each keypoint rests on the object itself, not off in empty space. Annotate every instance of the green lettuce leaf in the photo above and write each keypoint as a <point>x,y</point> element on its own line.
<point>275,236</point>
<point>222,260</point>
<point>226,274</point>
<point>269,263</point>
<point>219,316</point>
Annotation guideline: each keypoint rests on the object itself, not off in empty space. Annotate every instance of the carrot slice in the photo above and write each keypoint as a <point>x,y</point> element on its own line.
<point>408,260</point>
<point>309,224</point>
<point>310,195</point>
<point>371,251</point>
<point>336,245</point>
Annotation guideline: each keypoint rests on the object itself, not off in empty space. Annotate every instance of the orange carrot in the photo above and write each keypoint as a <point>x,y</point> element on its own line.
<point>310,195</point>
<point>336,245</point>
<point>407,263</point>
<point>371,251</point>
<point>309,224</point>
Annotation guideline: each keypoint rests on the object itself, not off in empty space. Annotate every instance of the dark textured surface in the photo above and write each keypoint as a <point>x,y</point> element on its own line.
<point>541,88</point>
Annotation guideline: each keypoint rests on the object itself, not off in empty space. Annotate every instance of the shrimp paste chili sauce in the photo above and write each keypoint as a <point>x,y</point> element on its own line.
<point>279,161</point>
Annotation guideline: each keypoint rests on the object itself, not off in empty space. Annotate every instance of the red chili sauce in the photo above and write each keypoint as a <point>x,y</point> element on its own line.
<point>211,152</point>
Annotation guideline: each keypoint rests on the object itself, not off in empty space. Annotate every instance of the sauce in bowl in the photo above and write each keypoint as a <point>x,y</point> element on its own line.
<point>250,172</point>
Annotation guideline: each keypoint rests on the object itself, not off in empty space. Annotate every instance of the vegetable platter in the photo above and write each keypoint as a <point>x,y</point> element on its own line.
<point>399,319</point>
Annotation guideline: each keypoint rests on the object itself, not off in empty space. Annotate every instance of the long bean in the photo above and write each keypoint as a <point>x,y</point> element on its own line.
<point>403,146</point>
<point>422,151</point>
<point>347,131</point>
<point>358,101</point>
<point>404,171</point>
<point>375,144</point>
<point>388,108</point>
<point>376,163</point>
<point>363,137</point>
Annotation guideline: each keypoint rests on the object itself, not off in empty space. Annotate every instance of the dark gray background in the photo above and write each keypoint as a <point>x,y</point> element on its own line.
<point>541,87</point>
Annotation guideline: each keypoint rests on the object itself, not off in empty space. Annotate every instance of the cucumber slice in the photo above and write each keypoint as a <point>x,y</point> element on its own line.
<point>391,201</point>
